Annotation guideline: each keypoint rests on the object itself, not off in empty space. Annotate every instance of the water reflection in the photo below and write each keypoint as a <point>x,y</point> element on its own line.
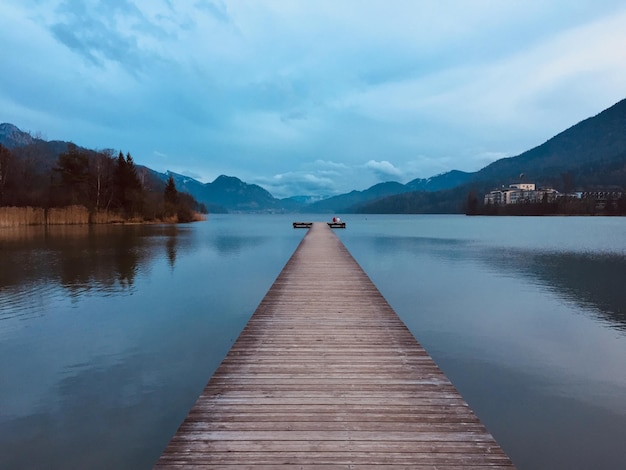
<point>230,244</point>
<point>512,319</point>
<point>170,246</point>
<point>90,402</point>
<point>103,379</point>
<point>593,281</point>
<point>105,258</point>
<point>108,334</point>
<point>41,265</point>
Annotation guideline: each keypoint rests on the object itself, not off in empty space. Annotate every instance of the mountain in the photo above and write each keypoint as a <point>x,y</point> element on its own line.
<point>37,156</point>
<point>353,200</point>
<point>230,194</point>
<point>585,148</point>
<point>588,155</point>
<point>303,200</point>
<point>224,194</point>
<point>448,180</point>
<point>341,202</point>
<point>234,194</point>
<point>11,136</point>
<point>191,186</point>
<point>449,201</point>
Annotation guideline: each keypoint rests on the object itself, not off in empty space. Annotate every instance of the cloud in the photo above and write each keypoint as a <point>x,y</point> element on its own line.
<point>297,183</point>
<point>383,169</point>
<point>293,115</point>
<point>217,9</point>
<point>309,91</point>
<point>329,165</point>
<point>318,177</point>
<point>93,30</point>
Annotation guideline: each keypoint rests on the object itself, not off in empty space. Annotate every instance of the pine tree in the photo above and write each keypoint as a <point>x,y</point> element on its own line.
<point>128,186</point>
<point>171,193</point>
<point>170,198</point>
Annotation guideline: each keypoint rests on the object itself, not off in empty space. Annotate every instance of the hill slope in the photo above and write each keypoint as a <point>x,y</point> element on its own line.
<point>38,157</point>
<point>230,194</point>
<point>592,143</point>
<point>588,155</point>
<point>341,202</point>
<point>11,136</point>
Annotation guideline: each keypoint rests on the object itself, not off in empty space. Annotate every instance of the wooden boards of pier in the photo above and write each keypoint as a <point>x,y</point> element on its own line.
<point>325,375</point>
<point>310,224</point>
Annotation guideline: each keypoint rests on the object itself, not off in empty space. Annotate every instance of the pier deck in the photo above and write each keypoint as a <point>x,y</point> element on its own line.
<point>325,375</point>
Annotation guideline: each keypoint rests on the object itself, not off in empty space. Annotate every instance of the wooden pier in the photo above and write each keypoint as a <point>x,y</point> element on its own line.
<point>310,224</point>
<point>325,375</point>
<point>337,224</point>
<point>302,224</point>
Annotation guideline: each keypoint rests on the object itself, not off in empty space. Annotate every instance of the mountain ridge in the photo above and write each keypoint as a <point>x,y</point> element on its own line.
<point>589,153</point>
<point>11,136</point>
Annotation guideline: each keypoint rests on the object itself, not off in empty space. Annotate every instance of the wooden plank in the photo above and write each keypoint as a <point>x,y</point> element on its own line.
<point>336,224</point>
<point>326,375</point>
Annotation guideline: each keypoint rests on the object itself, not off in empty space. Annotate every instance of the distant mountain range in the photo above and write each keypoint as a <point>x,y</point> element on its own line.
<point>588,155</point>
<point>230,194</point>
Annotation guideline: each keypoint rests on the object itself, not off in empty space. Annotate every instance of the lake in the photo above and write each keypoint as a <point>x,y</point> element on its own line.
<point>108,334</point>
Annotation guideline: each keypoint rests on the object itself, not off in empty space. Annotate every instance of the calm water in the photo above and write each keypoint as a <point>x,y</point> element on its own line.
<point>108,334</point>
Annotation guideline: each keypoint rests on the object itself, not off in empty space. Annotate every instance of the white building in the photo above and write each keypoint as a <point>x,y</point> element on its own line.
<point>520,193</point>
<point>523,186</point>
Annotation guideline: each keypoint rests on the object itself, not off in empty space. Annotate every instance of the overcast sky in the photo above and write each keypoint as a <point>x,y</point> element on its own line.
<point>309,97</point>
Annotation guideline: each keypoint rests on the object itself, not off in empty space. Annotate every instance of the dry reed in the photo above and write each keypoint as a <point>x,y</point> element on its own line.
<point>71,215</point>
<point>18,216</point>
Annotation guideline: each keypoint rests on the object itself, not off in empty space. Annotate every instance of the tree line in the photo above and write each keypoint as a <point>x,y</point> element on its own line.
<point>100,181</point>
<point>565,205</point>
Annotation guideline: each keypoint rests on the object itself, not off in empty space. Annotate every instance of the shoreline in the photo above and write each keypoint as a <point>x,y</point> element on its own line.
<point>11,217</point>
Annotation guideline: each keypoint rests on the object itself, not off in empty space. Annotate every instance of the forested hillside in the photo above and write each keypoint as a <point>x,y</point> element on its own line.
<point>590,155</point>
<point>59,174</point>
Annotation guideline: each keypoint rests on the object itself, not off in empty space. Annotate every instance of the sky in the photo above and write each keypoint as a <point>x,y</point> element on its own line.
<point>309,98</point>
